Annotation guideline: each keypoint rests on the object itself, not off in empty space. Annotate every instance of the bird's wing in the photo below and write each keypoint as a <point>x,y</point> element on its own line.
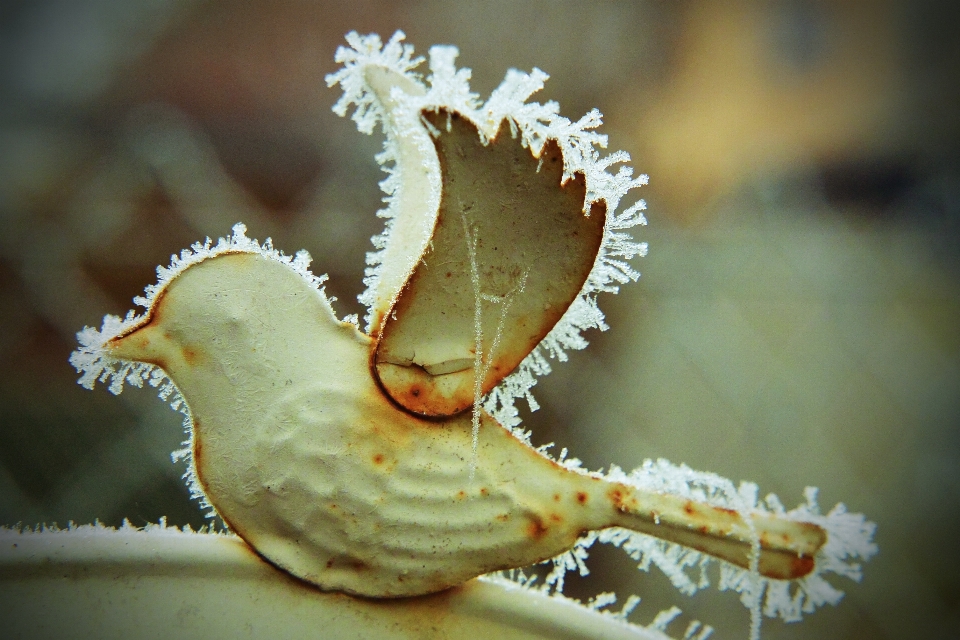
<point>509,252</point>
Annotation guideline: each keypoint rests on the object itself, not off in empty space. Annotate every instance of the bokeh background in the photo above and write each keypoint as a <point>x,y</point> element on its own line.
<point>798,318</point>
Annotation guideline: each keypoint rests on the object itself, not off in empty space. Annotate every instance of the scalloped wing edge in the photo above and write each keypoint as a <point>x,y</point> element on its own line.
<point>448,87</point>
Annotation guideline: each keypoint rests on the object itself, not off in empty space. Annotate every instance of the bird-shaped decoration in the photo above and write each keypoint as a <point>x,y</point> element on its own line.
<point>388,462</point>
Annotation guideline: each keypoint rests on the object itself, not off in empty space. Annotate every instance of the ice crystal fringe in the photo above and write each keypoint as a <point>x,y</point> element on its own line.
<point>125,527</point>
<point>94,364</point>
<point>448,88</point>
<point>601,603</point>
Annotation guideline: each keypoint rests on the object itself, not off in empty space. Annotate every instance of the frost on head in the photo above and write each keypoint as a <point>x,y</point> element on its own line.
<point>93,361</point>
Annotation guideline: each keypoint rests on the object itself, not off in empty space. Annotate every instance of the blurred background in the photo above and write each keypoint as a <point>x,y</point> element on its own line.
<point>798,318</point>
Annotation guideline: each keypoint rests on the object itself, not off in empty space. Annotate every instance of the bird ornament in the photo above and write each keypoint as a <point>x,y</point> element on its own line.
<point>389,461</point>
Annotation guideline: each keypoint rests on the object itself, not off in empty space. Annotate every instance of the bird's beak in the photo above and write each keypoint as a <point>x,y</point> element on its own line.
<point>148,343</point>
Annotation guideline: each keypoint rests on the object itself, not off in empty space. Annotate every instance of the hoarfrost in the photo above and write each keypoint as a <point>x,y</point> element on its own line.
<point>849,540</point>
<point>448,88</point>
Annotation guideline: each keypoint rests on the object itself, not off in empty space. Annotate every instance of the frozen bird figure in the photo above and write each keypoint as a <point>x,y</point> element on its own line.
<point>388,462</point>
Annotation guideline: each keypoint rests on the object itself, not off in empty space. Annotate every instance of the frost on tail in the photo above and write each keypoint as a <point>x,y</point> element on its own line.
<point>849,541</point>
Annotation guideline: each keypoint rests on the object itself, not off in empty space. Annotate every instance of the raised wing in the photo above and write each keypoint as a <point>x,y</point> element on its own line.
<point>510,250</point>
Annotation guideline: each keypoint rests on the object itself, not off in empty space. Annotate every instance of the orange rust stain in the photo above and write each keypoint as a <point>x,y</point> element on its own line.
<point>197,443</point>
<point>153,317</point>
<point>582,497</point>
<point>378,458</point>
<point>329,563</point>
<point>333,506</point>
<point>192,355</point>
<point>461,494</point>
<point>536,529</point>
<point>503,517</point>
<point>555,517</point>
<point>556,497</point>
<point>704,529</point>
<point>616,497</point>
<point>688,508</point>
<point>729,512</point>
<point>801,566</point>
<point>484,491</point>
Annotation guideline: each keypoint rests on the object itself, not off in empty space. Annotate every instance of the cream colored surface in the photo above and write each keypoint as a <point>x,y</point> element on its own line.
<point>101,583</point>
<point>417,195</point>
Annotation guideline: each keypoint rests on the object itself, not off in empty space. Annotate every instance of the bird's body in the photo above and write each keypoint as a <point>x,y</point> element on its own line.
<point>365,462</point>
<point>309,462</point>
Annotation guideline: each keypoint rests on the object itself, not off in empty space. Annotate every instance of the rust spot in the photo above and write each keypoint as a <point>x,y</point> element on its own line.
<point>688,508</point>
<point>333,506</point>
<point>729,512</point>
<point>415,392</point>
<point>461,494</point>
<point>197,443</point>
<point>503,517</point>
<point>704,529</point>
<point>555,517</point>
<point>329,563</point>
<point>484,492</point>
<point>449,274</point>
<point>378,458</point>
<point>536,529</point>
<point>556,497</point>
<point>152,318</point>
<point>801,566</point>
<point>616,497</point>
<point>582,497</point>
